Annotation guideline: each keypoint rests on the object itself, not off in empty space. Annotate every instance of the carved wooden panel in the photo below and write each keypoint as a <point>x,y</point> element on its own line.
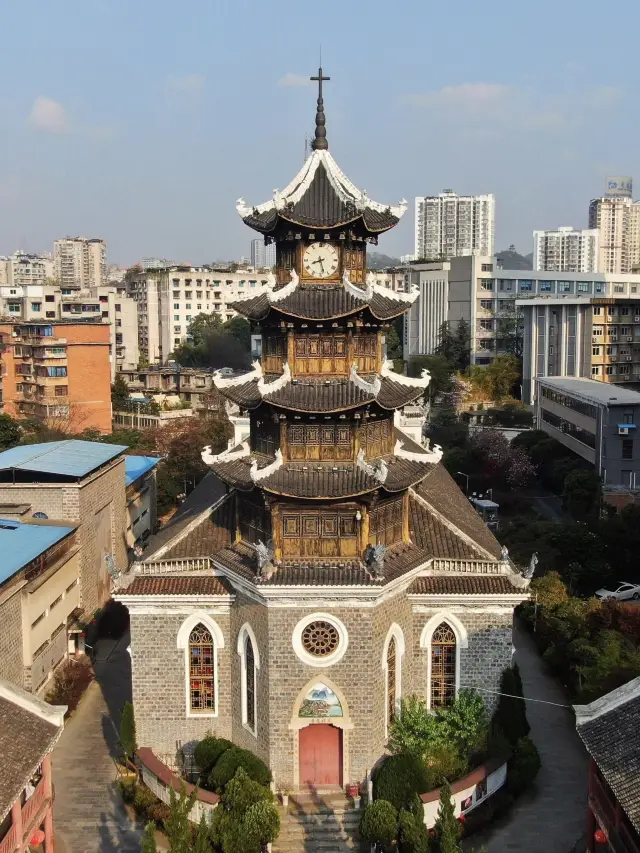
<point>365,351</point>
<point>326,442</point>
<point>324,534</point>
<point>385,522</point>
<point>285,261</point>
<point>321,355</point>
<point>274,353</point>
<point>254,520</point>
<point>353,259</point>
<point>377,438</point>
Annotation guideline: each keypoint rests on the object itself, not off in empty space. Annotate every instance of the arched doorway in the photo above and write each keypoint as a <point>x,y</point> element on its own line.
<point>320,751</point>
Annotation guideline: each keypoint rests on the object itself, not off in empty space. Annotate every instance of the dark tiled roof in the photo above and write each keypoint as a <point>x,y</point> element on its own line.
<point>319,395</point>
<point>441,491</point>
<point>463,585</point>
<point>246,396</point>
<point>393,395</point>
<point>264,222</point>
<point>436,538</point>
<point>613,741</point>
<point>213,533</point>
<point>184,585</point>
<point>25,739</point>
<point>321,302</point>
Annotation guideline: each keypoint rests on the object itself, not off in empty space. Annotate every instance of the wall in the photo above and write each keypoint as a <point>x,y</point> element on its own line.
<point>465,788</point>
<point>11,660</point>
<point>89,375</point>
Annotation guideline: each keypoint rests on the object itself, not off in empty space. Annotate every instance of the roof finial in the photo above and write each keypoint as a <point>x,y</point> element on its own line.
<point>320,141</point>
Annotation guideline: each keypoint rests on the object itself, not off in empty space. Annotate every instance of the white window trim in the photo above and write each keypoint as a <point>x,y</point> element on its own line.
<point>395,632</point>
<point>462,642</point>
<point>311,660</point>
<point>247,631</point>
<point>182,642</point>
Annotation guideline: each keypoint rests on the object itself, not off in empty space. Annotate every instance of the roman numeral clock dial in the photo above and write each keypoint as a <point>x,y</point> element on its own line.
<point>320,260</point>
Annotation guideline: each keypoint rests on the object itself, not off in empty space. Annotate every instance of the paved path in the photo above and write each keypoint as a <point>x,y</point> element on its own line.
<point>551,818</point>
<point>88,813</point>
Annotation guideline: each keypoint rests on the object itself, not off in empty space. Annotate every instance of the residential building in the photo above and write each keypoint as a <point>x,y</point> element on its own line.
<point>610,730</point>
<point>263,254</point>
<point>58,371</point>
<point>80,262</point>
<point>424,319</point>
<point>156,263</point>
<point>39,596</point>
<point>79,484</point>
<point>168,299</point>
<point>452,226</point>
<point>566,250</point>
<point>617,218</point>
<point>109,303</point>
<point>30,729</point>
<point>140,480</point>
<point>23,268</point>
<point>190,384</point>
<point>597,422</point>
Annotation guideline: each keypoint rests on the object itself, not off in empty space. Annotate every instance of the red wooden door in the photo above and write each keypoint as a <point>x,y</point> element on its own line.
<point>321,755</point>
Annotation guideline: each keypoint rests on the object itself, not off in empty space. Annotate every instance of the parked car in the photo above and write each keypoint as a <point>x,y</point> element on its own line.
<point>623,592</point>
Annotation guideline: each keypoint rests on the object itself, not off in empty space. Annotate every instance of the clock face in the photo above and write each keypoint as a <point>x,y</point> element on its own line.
<point>320,260</point>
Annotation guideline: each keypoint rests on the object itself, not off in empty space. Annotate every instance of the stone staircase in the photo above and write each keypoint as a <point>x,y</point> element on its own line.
<point>319,824</point>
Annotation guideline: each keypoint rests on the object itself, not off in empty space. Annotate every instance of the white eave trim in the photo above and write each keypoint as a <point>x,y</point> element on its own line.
<point>431,456</point>
<point>388,372</point>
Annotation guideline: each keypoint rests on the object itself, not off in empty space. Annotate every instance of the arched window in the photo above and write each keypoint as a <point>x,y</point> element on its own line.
<point>391,681</point>
<point>202,696</point>
<point>250,684</point>
<point>442,687</point>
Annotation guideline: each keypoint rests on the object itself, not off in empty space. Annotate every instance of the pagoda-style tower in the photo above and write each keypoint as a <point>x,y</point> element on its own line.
<point>324,478</point>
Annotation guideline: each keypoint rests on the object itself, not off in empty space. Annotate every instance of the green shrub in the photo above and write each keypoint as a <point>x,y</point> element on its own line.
<point>444,763</point>
<point>143,800</point>
<point>128,731</point>
<point>523,766</point>
<point>246,818</point>
<point>511,714</point>
<point>399,778</point>
<point>127,789</point>
<point>208,751</point>
<point>159,812</point>
<point>413,835</point>
<point>261,824</point>
<point>70,681</point>
<point>379,823</point>
<point>230,760</point>
<point>447,828</point>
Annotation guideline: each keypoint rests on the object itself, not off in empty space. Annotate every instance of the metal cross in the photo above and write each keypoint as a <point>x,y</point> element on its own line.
<point>319,80</point>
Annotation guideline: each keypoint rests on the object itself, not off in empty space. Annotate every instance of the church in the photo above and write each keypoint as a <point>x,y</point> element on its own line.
<point>340,567</point>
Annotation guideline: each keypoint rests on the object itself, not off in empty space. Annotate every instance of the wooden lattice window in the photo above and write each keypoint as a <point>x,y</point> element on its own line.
<point>202,670</point>
<point>255,520</point>
<point>320,639</point>
<point>386,523</point>
<point>443,666</point>
<point>391,681</point>
<point>250,683</point>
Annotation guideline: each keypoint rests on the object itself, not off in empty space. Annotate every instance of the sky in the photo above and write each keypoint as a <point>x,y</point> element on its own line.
<point>142,122</point>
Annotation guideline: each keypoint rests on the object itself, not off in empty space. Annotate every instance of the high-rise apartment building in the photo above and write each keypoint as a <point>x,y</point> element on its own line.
<point>23,268</point>
<point>566,250</point>
<point>57,372</point>
<point>617,218</point>
<point>263,255</point>
<point>452,226</point>
<point>80,262</point>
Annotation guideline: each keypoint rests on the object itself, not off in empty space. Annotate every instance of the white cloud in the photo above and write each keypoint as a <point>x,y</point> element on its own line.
<point>187,83</point>
<point>465,96</point>
<point>49,115</point>
<point>291,79</point>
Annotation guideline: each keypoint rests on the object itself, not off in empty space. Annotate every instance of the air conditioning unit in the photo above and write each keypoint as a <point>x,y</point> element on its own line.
<point>595,339</point>
<point>623,430</point>
<point>636,319</point>
<point>629,358</point>
<point>628,337</point>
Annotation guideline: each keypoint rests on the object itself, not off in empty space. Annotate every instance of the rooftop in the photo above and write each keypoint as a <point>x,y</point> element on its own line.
<point>21,543</point>
<point>69,458</point>
<point>603,393</point>
<point>136,466</point>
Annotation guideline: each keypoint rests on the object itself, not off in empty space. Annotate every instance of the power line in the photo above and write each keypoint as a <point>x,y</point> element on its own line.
<point>524,698</point>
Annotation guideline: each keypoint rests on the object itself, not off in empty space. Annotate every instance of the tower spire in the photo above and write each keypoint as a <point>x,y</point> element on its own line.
<point>320,140</point>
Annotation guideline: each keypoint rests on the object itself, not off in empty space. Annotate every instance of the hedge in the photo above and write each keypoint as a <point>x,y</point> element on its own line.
<point>226,766</point>
<point>399,778</point>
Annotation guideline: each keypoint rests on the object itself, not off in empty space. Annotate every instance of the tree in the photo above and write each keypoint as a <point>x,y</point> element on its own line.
<point>120,394</point>
<point>128,731</point>
<point>446,346</point>
<point>379,823</point>
<point>581,492</point>
<point>509,334</point>
<point>440,369</point>
<point>413,836</point>
<point>246,818</point>
<point>511,714</point>
<point>549,591</point>
<point>9,432</point>
<point>149,838</point>
<point>241,330</point>
<point>462,345</point>
<point>201,325</point>
<point>394,344</point>
<point>201,843</point>
<point>503,372</point>
<point>178,826</point>
<point>447,827</point>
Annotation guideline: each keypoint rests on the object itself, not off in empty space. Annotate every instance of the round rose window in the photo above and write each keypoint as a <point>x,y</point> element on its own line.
<point>320,639</point>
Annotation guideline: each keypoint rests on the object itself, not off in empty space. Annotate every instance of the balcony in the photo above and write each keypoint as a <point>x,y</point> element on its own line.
<point>31,815</point>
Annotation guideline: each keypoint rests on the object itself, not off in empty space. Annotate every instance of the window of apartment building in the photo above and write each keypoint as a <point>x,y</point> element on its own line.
<point>624,369</point>
<point>198,294</point>
<point>54,371</point>
<point>487,325</point>
<point>216,295</point>
<point>525,285</point>
<point>36,306</point>
<point>105,313</point>
<point>625,351</point>
<point>187,282</point>
<point>627,418</point>
<point>597,309</point>
<point>600,287</point>
<point>485,343</point>
<point>228,282</point>
<point>188,306</point>
<point>49,299</point>
<point>625,330</point>
<point>216,306</point>
<point>634,288</point>
<point>611,350</point>
<point>176,294</point>
<point>199,306</point>
<point>486,304</point>
<point>564,287</point>
<point>627,448</point>
<point>188,294</point>
<point>198,282</point>
<point>252,283</point>
<point>486,283</point>
<point>618,288</point>
<point>610,370</point>
<point>66,291</point>
<point>175,282</point>
<point>176,306</point>
<point>177,329</point>
<point>51,314</point>
<point>177,340</point>
<point>14,309</point>
<point>505,284</point>
<point>188,317</point>
<point>595,370</point>
<point>584,287</point>
<point>546,286</point>
<point>118,324</point>
<point>229,316</point>
<point>595,350</point>
<point>623,310</point>
<point>207,294</point>
<point>176,316</point>
<point>487,267</point>
<point>611,310</point>
<point>597,331</point>
<point>61,390</point>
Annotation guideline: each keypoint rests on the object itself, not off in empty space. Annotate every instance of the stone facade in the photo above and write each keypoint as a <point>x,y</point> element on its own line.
<point>11,659</point>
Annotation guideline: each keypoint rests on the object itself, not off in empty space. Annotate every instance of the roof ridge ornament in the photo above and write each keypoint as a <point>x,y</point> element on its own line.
<point>377,469</point>
<point>258,474</point>
<point>354,290</point>
<point>287,290</point>
<point>393,295</point>
<point>368,387</point>
<point>433,456</point>
<point>388,372</point>
<point>228,455</point>
<point>271,387</point>
<point>220,381</point>
<point>320,140</point>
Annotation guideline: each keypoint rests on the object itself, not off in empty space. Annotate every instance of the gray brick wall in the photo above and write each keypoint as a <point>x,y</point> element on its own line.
<point>11,660</point>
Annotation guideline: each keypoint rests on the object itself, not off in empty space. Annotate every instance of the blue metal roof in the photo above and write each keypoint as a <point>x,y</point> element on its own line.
<point>136,466</point>
<point>20,543</point>
<point>71,458</point>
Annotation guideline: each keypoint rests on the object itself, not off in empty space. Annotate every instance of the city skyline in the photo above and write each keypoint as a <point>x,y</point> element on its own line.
<point>530,126</point>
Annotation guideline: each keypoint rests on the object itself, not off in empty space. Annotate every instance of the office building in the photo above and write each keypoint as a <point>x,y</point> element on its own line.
<point>58,372</point>
<point>566,250</point>
<point>80,262</point>
<point>168,299</point>
<point>425,317</point>
<point>617,218</point>
<point>597,422</point>
<point>263,255</point>
<point>452,226</point>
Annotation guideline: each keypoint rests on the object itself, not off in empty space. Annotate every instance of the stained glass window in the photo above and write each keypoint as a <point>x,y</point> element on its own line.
<point>250,684</point>
<point>391,681</point>
<point>443,666</point>
<point>201,670</point>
